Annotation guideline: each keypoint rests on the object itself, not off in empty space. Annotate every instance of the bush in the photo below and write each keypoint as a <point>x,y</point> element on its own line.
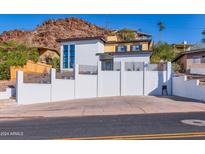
<point>176,68</point>
<point>13,54</point>
<point>55,62</point>
<point>4,72</point>
<point>162,51</point>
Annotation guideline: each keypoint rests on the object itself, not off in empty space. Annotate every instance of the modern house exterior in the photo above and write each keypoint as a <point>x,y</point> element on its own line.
<point>192,60</point>
<point>109,49</point>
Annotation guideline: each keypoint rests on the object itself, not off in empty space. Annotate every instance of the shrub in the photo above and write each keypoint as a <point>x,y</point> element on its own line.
<point>55,62</point>
<point>13,54</point>
<point>176,68</point>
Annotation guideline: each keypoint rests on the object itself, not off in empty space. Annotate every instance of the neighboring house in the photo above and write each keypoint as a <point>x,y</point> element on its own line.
<point>89,50</point>
<point>30,68</point>
<point>45,54</point>
<point>190,60</point>
<point>182,47</point>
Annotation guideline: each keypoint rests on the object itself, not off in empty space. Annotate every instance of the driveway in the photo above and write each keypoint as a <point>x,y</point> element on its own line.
<point>105,106</point>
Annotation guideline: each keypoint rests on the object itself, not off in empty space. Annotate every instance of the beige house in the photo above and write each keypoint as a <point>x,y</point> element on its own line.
<point>191,59</point>
<point>46,53</point>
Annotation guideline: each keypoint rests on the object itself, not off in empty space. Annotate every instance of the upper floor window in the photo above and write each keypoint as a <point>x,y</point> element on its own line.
<point>65,56</point>
<point>121,48</point>
<point>136,47</point>
<point>68,56</point>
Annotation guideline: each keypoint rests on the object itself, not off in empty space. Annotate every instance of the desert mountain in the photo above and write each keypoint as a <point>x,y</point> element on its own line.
<point>45,35</point>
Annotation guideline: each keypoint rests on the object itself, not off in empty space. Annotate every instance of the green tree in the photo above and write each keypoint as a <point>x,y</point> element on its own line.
<point>14,54</point>
<point>126,34</point>
<point>162,52</point>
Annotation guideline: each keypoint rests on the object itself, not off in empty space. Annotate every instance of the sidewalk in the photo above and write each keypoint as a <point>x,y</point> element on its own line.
<point>105,106</point>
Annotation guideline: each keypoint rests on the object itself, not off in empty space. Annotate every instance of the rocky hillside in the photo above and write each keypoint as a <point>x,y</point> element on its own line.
<point>45,35</point>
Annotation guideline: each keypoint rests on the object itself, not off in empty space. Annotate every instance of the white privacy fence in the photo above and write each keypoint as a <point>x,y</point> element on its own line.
<point>188,88</point>
<point>92,81</point>
<point>7,94</point>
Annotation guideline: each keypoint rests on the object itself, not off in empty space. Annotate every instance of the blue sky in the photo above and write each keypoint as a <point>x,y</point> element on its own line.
<point>178,27</point>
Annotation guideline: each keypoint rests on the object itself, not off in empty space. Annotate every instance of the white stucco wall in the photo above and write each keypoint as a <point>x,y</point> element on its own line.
<point>153,82</point>
<point>188,88</point>
<point>7,94</point>
<point>85,51</point>
<point>200,71</point>
<point>132,83</point>
<point>105,83</point>
<point>62,90</point>
<point>109,83</point>
<point>86,86</point>
<point>28,93</point>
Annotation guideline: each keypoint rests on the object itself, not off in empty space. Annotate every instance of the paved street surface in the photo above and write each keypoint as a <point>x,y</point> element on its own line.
<point>105,106</point>
<point>145,126</point>
<point>127,118</point>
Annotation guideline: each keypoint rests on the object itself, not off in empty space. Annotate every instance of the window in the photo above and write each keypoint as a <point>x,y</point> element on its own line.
<point>68,56</point>
<point>65,56</point>
<point>107,65</point>
<point>136,47</point>
<point>196,59</point>
<point>72,56</point>
<point>121,48</point>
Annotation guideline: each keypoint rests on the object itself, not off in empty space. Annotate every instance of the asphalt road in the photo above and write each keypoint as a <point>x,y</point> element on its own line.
<point>104,127</point>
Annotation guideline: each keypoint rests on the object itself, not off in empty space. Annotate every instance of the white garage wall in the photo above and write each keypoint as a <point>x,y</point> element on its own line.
<point>188,88</point>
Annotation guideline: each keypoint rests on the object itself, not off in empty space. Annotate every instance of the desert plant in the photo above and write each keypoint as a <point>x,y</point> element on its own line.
<point>55,63</point>
<point>14,54</point>
<point>162,51</point>
<point>126,34</point>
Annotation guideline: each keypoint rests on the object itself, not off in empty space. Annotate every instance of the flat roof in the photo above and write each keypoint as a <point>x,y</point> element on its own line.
<point>126,53</point>
<point>102,39</point>
<point>131,41</point>
<point>81,39</point>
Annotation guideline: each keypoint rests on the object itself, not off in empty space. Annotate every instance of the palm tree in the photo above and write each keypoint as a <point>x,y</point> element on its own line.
<point>203,33</point>
<point>161,28</point>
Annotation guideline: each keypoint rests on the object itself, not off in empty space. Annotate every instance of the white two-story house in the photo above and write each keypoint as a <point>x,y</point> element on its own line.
<point>90,50</point>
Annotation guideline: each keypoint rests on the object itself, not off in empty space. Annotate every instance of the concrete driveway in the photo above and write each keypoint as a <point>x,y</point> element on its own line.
<point>105,106</point>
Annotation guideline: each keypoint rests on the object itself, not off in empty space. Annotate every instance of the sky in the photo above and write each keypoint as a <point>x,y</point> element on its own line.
<point>179,28</point>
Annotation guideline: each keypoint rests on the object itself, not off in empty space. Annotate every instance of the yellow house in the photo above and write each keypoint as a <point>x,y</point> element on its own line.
<point>114,44</point>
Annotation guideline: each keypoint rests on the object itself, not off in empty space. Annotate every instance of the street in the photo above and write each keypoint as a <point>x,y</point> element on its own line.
<point>140,126</point>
